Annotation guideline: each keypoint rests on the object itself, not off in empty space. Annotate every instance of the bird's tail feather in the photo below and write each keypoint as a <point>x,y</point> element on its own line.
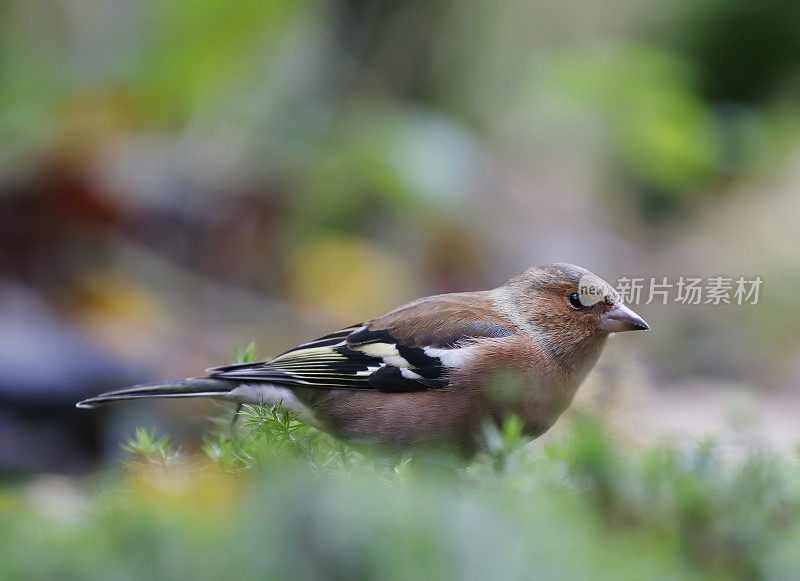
<point>190,387</point>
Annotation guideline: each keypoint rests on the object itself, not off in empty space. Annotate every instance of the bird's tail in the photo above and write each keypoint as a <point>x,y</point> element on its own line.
<point>190,387</point>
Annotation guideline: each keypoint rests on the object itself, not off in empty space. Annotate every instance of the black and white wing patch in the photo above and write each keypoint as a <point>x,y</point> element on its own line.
<point>353,358</point>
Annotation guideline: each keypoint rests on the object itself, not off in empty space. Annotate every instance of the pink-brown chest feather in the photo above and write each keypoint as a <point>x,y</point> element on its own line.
<point>515,375</point>
<point>508,375</point>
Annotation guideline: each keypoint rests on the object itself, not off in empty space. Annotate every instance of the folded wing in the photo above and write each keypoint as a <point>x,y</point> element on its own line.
<point>410,349</point>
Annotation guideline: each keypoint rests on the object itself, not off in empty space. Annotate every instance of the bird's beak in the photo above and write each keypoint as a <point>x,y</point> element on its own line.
<point>621,318</point>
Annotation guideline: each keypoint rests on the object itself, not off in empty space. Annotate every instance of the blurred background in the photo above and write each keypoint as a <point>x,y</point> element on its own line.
<point>178,178</point>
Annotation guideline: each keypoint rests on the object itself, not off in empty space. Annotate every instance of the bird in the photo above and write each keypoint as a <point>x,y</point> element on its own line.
<point>436,371</point>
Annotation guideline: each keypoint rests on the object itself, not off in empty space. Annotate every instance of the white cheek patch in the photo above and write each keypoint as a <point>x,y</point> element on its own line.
<point>451,357</point>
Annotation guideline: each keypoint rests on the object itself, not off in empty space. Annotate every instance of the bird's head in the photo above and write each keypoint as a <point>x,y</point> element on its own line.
<point>565,306</point>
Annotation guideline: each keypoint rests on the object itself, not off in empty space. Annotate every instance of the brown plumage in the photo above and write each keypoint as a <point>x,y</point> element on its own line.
<point>434,371</point>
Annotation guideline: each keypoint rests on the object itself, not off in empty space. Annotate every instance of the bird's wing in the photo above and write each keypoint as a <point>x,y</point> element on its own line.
<point>408,349</point>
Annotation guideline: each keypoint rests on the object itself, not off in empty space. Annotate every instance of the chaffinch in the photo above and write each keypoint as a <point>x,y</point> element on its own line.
<point>434,371</point>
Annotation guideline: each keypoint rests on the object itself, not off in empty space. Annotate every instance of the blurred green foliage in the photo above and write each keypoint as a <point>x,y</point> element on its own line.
<point>322,87</point>
<point>280,499</point>
<point>660,126</point>
<point>300,140</point>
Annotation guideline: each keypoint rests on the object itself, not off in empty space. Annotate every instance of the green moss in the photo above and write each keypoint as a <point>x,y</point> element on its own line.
<point>278,498</point>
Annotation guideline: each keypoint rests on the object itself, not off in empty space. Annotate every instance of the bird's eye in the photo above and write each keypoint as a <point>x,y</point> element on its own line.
<point>575,301</point>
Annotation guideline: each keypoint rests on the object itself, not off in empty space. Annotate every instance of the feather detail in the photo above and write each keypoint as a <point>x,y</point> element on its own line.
<point>381,354</point>
<point>445,321</point>
<point>329,362</point>
<point>190,387</point>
